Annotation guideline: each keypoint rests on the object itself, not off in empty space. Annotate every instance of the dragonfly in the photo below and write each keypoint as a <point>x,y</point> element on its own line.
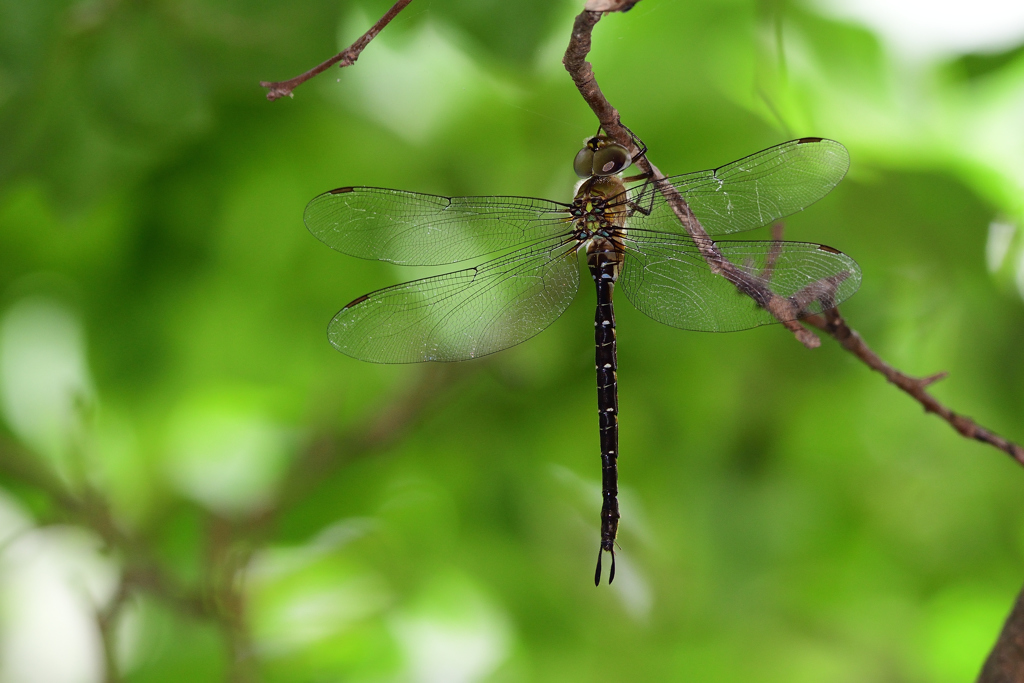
<point>655,238</point>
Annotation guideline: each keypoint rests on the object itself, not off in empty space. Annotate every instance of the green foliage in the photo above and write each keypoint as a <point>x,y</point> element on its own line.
<point>281,512</point>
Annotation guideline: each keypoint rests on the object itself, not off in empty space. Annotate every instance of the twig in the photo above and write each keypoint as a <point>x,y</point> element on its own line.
<point>773,254</point>
<point>834,324</point>
<point>106,621</point>
<point>346,57</point>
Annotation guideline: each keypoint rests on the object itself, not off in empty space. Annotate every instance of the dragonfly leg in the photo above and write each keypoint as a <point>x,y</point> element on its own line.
<point>640,194</point>
<point>637,142</point>
<point>633,208</point>
<point>636,178</point>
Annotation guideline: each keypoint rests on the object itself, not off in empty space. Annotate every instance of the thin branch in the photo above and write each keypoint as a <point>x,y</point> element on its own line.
<point>346,57</point>
<point>785,309</point>
<point>834,324</point>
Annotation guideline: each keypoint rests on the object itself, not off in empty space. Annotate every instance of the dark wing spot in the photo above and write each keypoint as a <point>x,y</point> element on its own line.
<point>804,140</point>
<point>342,190</point>
<point>830,250</point>
<point>360,300</point>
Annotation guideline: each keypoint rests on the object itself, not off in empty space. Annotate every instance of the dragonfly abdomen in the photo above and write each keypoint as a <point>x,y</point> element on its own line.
<point>604,260</point>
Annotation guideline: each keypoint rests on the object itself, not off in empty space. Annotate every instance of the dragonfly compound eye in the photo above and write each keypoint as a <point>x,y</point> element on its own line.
<point>583,164</point>
<point>610,159</point>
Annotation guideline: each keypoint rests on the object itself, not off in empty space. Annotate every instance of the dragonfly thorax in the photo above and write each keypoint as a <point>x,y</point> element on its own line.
<point>598,211</point>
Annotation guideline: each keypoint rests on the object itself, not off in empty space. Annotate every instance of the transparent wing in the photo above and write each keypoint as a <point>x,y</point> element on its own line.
<point>666,277</point>
<point>751,192</point>
<point>415,229</point>
<point>461,315</point>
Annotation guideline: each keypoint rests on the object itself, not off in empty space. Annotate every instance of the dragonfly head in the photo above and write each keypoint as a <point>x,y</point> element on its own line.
<point>601,156</point>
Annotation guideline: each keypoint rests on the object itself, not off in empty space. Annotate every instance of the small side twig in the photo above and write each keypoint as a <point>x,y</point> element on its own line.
<point>776,250</point>
<point>346,57</point>
<point>106,620</point>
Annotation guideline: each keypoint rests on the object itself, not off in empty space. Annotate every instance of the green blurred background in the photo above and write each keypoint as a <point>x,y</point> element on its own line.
<point>197,487</point>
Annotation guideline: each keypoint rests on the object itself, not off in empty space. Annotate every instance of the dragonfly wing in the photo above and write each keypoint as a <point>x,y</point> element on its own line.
<point>666,277</point>
<point>461,315</point>
<point>751,192</point>
<point>409,228</point>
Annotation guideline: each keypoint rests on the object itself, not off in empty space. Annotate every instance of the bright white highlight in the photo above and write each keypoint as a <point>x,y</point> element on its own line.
<point>925,29</point>
<point>1000,237</point>
<point>52,582</point>
<point>461,639</point>
<point>44,380</point>
<point>1019,279</point>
